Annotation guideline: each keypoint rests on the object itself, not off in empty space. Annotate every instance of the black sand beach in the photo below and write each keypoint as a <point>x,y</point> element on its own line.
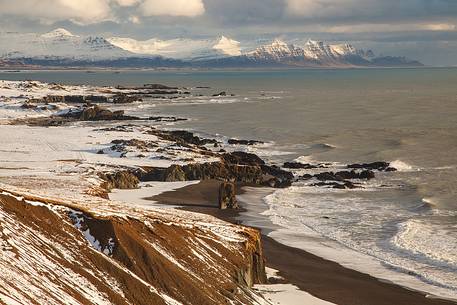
<point>322,278</point>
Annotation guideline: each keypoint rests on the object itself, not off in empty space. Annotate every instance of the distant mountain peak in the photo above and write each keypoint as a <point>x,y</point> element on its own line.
<point>228,46</point>
<point>60,46</point>
<point>59,32</point>
<point>278,42</point>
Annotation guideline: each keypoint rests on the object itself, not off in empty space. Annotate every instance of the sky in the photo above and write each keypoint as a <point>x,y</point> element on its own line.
<point>420,29</point>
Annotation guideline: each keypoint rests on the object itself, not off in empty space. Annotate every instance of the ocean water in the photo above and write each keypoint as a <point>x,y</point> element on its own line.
<point>405,221</point>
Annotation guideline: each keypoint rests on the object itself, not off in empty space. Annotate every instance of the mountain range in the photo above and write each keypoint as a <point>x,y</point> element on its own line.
<point>62,48</point>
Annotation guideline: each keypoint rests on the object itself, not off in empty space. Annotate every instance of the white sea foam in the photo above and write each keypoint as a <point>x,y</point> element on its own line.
<point>429,241</point>
<point>402,166</point>
<point>352,221</point>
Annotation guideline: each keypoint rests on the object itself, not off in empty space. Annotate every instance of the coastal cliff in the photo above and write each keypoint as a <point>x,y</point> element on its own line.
<point>55,253</point>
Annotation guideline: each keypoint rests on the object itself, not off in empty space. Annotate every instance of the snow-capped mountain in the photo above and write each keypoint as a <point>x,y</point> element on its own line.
<point>312,53</point>
<point>58,44</point>
<point>61,47</point>
<point>181,48</point>
<point>276,51</point>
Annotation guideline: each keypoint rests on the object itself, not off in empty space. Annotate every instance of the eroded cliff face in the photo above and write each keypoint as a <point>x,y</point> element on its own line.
<point>58,254</point>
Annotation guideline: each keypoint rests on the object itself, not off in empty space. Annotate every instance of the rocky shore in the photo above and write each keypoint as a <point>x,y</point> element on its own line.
<point>77,144</point>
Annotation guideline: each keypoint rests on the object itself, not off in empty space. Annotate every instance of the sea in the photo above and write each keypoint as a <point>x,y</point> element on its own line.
<point>400,227</point>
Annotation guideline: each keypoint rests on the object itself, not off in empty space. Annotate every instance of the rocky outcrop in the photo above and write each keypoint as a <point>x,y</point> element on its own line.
<point>345,175</point>
<point>298,165</point>
<point>97,113</point>
<point>55,255</point>
<point>380,166</point>
<point>182,137</point>
<point>70,99</point>
<point>119,180</point>
<point>227,196</point>
<point>125,99</point>
<point>244,142</point>
<point>235,167</point>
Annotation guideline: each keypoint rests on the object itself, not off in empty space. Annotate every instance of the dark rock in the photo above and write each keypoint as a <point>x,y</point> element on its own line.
<point>163,92</point>
<point>243,158</point>
<point>380,166</point>
<point>345,175</point>
<point>227,196</point>
<point>96,99</point>
<point>28,105</point>
<point>366,174</point>
<point>337,185</point>
<point>223,93</point>
<point>119,180</point>
<point>327,176</point>
<point>166,119</point>
<point>74,99</point>
<point>125,99</point>
<point>244,142</point>
<point>298,165</point>
<point>97,113</point>
<point>183,137</point>
<point>235,167</point>
<point>120,145</point>
<point>158,86</point>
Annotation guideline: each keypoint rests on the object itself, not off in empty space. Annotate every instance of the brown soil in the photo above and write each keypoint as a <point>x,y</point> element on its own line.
<point>151,256</point>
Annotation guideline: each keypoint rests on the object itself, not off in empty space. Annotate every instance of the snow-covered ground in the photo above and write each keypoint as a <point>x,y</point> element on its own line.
<point>56,166</point>
<point>286,294</point>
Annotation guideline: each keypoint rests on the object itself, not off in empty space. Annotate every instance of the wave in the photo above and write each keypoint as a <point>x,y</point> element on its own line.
<point>401,166</point>
<point>431,241</point>
<point>421,257</point>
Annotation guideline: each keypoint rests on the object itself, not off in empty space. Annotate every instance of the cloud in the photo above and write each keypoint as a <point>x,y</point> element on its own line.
<point>186,8</point>
<point>81,11</point>
<point>127,2</point>
<point>370,10</point>
<point>95,11</point>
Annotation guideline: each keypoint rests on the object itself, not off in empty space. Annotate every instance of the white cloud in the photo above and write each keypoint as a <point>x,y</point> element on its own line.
<point>81,11</point>
<point>186,8</point>
<point>127,2</point>
<point>322,8</point>
<point>94,11</point>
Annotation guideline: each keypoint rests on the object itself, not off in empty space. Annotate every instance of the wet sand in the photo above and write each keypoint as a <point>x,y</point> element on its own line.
<point>203,194</point>
<point>324,279</point>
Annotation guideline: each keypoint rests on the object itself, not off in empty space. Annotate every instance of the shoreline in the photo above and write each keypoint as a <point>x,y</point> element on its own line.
<point>311,273</point>
<point>322,278</point>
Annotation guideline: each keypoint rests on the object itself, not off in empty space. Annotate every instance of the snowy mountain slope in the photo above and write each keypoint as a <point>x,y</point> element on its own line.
<point>180,48</point>
<point>62,48</point>
<point>317,53</point>
<point>59,43</point>
<point>312,53</point>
